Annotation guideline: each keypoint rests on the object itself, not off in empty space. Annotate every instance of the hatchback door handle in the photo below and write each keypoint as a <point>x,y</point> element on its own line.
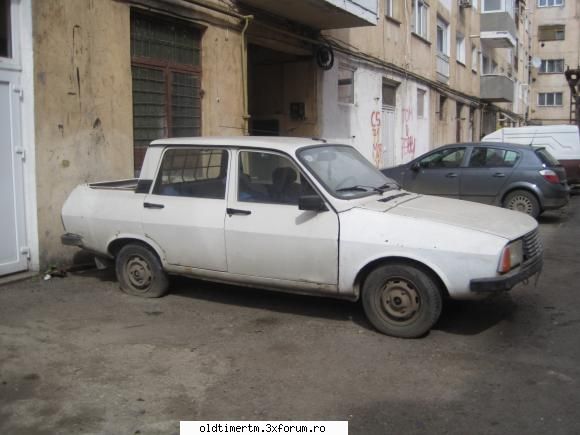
<point>232,211</point>
<point>499,175</point>
<point>151,205</point>
<point>451,175</point>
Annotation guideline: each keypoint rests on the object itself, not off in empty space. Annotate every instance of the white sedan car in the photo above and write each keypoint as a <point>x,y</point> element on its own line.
<point>304,216</point>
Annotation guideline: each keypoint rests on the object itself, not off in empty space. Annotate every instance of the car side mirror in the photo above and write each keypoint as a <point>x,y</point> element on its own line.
<point>311,203</point>
<point>416,166</point>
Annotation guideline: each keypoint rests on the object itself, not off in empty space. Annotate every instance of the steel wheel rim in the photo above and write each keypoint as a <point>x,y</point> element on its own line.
<point>400,300</point>
<point>138,272</point>
<point>521,203</point>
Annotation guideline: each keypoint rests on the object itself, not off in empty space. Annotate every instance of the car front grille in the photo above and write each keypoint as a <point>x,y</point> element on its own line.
<point>532,245</point>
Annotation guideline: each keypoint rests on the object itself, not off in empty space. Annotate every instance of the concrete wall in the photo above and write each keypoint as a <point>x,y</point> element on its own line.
<point>83,104</point>
<point>83,98</point>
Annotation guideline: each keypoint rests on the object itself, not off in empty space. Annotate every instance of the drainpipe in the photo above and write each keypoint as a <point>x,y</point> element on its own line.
<point>245,115</point>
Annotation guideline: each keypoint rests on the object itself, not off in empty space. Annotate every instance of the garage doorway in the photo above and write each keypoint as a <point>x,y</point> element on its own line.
<point>281,92</point>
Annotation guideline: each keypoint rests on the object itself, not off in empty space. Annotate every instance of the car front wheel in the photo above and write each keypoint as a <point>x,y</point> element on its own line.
<point>401,300</point>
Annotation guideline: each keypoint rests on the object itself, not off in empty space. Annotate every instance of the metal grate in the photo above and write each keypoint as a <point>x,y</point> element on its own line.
<point>532,245</point>
<point>185,105</point>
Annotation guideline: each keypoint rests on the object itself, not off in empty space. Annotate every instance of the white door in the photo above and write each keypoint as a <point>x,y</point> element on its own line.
<point>13,254</point>
<point>267,235</point>
<point>184,213</point>
<point>388,136</point>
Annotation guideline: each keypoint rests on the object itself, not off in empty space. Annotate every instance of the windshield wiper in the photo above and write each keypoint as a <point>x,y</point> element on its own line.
<point>357,188</point>
<point>362,188</point>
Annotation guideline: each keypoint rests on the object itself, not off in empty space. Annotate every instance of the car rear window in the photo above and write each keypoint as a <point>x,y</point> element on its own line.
<point>547,158</point>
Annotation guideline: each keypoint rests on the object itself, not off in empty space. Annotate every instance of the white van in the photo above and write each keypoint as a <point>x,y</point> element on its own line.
<point>563,142</point>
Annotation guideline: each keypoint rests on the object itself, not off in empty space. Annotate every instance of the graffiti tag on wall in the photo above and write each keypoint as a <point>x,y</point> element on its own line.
<point>408,141</point>
<point>377,145</point>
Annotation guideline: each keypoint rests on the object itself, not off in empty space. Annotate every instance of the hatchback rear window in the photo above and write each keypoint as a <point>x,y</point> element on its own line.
<point>547,158</point>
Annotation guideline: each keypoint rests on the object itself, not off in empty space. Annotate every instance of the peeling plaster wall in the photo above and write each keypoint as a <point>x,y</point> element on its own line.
<point>83,105</point>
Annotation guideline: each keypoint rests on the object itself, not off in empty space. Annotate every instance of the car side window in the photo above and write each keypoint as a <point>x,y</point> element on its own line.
<point>270,178</point>
<point>194,173</point>
<point>484,157</point>
<point>447,158</point>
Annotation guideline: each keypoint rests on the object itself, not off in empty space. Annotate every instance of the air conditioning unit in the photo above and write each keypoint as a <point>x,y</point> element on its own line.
<point>465,3</point>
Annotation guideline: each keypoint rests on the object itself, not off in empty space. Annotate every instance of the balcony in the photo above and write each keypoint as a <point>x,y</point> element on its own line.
<point>322,14</point>
<point>496,88</point>
<point>442,68</point>
<point>497,25</point>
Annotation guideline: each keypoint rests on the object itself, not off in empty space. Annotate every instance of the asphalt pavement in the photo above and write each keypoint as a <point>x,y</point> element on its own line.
<point>77,356</point>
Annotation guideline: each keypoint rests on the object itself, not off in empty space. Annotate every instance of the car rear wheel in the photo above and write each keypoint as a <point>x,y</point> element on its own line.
<point>140,273</point>
<point>401,300</point>
<point>523,201</point>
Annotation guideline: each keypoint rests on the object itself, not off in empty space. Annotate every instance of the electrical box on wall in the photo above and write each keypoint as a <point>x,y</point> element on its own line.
<point>297,111</point>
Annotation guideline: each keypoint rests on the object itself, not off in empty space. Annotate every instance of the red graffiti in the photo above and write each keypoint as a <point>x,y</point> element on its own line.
<point>408,141</point>
<point>377,145</point>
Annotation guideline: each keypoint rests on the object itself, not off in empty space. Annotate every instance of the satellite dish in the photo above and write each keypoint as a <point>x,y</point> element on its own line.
<point>536,62</point>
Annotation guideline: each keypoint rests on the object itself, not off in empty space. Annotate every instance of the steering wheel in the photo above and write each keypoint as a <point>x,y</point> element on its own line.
<point>345,181</point>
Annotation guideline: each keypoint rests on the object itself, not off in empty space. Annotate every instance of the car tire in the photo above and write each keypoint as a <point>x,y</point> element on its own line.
<point>523,201</point>
<point>401,300</point>
<point>140,273</point>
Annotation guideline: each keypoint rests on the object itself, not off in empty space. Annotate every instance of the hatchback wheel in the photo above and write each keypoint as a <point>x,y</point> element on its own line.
<point>523,201</point>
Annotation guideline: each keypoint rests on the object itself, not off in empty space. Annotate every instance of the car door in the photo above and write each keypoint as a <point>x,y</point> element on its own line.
<point>184,212</point>
<point>267,236</point>
<point>487,171</point>
<point>437,173</point>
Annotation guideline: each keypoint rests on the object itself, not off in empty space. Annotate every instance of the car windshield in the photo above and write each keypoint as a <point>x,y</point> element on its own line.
<point>344,171</point>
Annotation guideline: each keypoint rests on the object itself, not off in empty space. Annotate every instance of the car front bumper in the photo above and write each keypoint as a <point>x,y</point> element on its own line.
<point>509,280</point>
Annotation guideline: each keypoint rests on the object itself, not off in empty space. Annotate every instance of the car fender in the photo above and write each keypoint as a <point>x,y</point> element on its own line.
<point>520,185</point>
<point>140,238</point>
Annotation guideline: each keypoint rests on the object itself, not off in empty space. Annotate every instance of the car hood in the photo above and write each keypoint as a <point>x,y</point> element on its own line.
<point>479,217</point>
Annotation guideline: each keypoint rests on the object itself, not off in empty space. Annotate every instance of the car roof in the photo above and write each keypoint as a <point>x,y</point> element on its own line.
<point>490,145</point>
<point>287,144</point>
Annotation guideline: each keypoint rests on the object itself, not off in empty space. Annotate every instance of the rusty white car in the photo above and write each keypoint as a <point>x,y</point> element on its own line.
<point>304,216</point>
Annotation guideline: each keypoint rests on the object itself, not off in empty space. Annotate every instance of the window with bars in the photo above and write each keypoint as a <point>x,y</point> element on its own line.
<point>166,72</point>
<point>550,3</point>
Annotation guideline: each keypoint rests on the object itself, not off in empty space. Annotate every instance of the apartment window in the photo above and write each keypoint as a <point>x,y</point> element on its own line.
<point>550,3</point>
<point>166,73</point>
<point>460,45</point>
<point>5,32</point>
<point>389,12</point>
<point>442,37</point>
<point>554,32</point>
<point>474,58</point>
<point>420,18</point>
<point>549,66</point>
<point>442,106</point>
<point>498,6</point>
<point>421,103</point>
<point>550,99</point>
<point>389,94</point>
<point>345,85</point>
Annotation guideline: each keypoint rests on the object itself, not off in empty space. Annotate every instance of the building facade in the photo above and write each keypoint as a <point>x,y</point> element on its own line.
<point>556,48</point>
<point>87,84</point>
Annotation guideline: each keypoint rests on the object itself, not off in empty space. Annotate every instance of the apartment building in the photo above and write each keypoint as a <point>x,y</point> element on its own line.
<point>556,47</point>
<point>408,84</point>
<point>506,47</point>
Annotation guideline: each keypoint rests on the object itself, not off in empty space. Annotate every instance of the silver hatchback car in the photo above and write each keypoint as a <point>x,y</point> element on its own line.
<point>518,177</point>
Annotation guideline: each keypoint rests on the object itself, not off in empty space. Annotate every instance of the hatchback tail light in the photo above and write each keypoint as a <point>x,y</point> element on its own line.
<point>550,176</point>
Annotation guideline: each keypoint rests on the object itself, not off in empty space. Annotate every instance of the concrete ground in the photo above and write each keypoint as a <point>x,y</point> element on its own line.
<point>77,356</point>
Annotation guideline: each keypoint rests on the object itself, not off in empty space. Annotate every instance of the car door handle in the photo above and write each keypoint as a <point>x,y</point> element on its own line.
<point>499,175</point>
<point>451,175</point>
<point>151,205</point>
<point>232,211</point>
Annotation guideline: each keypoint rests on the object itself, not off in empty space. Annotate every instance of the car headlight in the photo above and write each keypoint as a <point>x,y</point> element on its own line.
<point>512,255</point>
